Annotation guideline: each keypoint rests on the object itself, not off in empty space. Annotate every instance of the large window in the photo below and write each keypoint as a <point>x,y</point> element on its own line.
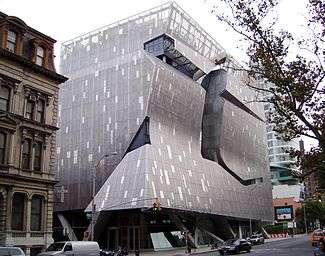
<point>39,55</point>
<point>2,147</point>
<point>35,110</point>
<point>36,213</point>
<point>18,211</point>
<point>37,156</point>
<point>29,109</point>
<point>26,154</point>
<point>4,98</point>
<point>40,111</point>
<point>11,41</point>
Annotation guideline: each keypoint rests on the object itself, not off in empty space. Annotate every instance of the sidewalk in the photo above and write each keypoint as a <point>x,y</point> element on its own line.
<point>180,252</point>
<point>282,238</point>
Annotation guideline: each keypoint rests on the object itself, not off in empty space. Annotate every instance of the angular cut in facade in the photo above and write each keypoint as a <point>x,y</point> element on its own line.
<point>148,88</point>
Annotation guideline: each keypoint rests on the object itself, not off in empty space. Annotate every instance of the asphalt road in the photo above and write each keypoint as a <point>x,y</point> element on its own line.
<point>297,246</point>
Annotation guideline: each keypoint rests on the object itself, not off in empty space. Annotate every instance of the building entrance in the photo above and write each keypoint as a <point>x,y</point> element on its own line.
<point>113,240</point>
<point>133,238</point>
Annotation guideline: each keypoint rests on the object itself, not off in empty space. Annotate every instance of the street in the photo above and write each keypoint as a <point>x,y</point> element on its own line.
<point>298,246</point>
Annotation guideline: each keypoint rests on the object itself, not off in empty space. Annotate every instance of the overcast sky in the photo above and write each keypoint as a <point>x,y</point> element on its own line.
<point>66,19</point>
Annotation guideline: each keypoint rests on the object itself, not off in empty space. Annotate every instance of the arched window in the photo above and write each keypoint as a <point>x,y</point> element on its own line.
<point>11,41</point>
<point>37,156</point>
<point>39,55</point>
<point>18,211</point>
<point>2,147</point>
<point>36,213</point>
<point>26,154</point>
<point>4,98</point>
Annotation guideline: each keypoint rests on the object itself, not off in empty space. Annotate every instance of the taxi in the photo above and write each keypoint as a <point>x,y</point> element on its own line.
<point>316,236</point>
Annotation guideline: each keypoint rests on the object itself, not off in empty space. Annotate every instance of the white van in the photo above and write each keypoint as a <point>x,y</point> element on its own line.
<point>72,248</point>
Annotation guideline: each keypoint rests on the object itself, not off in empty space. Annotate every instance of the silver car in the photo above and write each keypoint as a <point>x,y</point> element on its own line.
<point>11,251</point>
<point>257,239</point>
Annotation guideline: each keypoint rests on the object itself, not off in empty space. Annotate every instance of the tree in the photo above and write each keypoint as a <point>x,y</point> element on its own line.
<point>293,69</point>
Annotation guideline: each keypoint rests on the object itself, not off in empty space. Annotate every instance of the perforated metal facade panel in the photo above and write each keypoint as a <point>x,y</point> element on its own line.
<point>114,84</point>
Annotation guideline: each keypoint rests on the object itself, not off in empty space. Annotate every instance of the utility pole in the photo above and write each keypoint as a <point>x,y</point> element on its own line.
<point>250,227</point>
<point>305,218</point>
<point>93,205</point>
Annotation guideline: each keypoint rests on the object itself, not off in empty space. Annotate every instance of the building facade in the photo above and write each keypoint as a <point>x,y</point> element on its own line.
<point>28,116</point>
<point>281,163</point>
<point>154,96</point>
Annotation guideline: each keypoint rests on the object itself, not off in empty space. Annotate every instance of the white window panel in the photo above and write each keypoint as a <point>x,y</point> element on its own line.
<point>154,189</point>
<point>180,193</point>
<point>167,177</point>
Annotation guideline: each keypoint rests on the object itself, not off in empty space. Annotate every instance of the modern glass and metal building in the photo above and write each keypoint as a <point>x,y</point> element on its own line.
<point>154,94</point>
<point>281,163</point>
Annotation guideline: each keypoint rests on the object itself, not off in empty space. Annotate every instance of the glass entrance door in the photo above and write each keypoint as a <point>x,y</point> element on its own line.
<point>113,238</point>
<point>133,238</point>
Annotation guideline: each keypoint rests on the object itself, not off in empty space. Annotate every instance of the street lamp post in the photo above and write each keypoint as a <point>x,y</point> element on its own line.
<point>93,205</point>
<point>305,218</point>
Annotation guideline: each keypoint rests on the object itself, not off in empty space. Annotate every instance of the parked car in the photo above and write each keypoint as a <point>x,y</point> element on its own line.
<point>316,236</point>
<point>216,245</point>
<point>75,248</point>
<point>106,253</point>
<point>235,246</point>
<point>257,239</point>
<point>11,251</point>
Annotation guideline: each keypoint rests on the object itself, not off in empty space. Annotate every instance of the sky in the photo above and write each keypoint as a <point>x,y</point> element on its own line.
<point>66,19</point>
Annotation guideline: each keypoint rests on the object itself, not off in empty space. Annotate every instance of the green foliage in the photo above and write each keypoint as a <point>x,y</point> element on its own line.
<point>292,68</point>
<point>275,229</point>
<point>315,210</point>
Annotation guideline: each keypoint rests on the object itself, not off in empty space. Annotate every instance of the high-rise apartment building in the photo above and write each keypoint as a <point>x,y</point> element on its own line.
<point>281,163</point>
<point>171,126</point>
<point>29,87</point>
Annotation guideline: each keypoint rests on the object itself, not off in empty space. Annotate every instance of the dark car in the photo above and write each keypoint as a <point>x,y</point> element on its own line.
<point>233,246</point>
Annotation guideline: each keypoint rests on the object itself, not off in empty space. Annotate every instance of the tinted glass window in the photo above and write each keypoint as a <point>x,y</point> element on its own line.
<point>26,154</point>
<point>37,156</point>
<point>55,247</point>
<point>11,41</point>
<point>36,213</point>
<point>29,110</point>
<point>68,247</point>
<point>4,98</point>
<point>40,111</point>
<point>2,147</point>
<point>18,205</point>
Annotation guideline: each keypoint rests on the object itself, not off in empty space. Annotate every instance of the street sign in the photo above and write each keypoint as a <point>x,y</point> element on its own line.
<point>290,224</point>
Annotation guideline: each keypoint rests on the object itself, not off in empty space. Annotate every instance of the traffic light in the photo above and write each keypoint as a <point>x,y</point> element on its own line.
<point>156,205</point>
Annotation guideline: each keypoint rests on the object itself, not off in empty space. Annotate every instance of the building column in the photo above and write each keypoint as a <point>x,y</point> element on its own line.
<point>27,251</point>
<point>11,149</point>
<point>48,219</point>
<point>28,216</point>
<point>240,231</point>
<point>8,237</point>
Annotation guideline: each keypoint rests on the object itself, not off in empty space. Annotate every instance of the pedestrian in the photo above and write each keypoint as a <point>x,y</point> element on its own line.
<point>320,249</point>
